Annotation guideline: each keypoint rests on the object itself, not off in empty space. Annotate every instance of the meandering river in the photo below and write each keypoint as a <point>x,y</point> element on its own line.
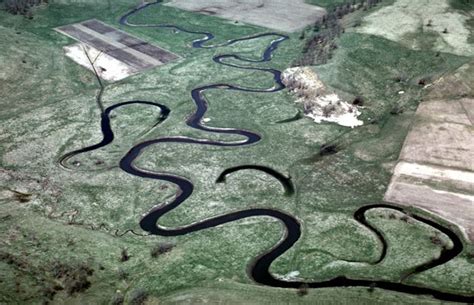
<point>259,270</point>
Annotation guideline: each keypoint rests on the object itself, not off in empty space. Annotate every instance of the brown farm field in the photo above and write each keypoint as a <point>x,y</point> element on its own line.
<point>280,15</point>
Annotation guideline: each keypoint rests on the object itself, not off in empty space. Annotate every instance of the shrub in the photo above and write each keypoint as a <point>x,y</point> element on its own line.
<point>303,290</point>
<point>470,256</point>
<point>161,249</point>
<point>21,7</point>
<point>74,277</point>
<point>328,109</point>
<point>138,296</point>
<point>124,255</point>
<point>358,101</point>
<point>422,82</point>
<point>328,149</point>
<point>117,299</point>
<point>396,110</point>
<point>77,283</point>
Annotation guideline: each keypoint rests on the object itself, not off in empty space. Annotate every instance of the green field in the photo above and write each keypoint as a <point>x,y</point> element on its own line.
<point>65,227</point>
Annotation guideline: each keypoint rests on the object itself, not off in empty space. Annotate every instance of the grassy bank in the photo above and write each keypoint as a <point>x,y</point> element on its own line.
<point>69,218</point>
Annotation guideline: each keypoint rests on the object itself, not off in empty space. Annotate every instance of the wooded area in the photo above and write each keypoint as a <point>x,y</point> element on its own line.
<point>21,7</point>
<point>320,45</point>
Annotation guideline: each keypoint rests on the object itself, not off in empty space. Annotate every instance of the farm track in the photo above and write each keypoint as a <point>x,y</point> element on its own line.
<point>259,271</point>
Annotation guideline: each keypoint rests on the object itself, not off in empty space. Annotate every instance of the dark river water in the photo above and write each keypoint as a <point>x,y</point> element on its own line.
<point>259,270</point>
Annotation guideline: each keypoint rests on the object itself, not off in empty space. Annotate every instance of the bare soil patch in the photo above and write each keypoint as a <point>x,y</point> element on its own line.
<point>436,169</point>
<point>280,15</point>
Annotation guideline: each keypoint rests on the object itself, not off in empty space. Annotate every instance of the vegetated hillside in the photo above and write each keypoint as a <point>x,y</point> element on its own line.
<point>58,228</point>
<point>426,25</point>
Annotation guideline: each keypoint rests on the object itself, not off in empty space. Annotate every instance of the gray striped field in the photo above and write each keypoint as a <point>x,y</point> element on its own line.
<point>133,52</point>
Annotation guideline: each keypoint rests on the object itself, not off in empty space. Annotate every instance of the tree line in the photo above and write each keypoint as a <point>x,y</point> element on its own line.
<point>320,45</point>
<point>21,7</point>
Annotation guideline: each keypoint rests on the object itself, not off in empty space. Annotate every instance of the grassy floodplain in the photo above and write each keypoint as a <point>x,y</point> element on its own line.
<point>64,226</point>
